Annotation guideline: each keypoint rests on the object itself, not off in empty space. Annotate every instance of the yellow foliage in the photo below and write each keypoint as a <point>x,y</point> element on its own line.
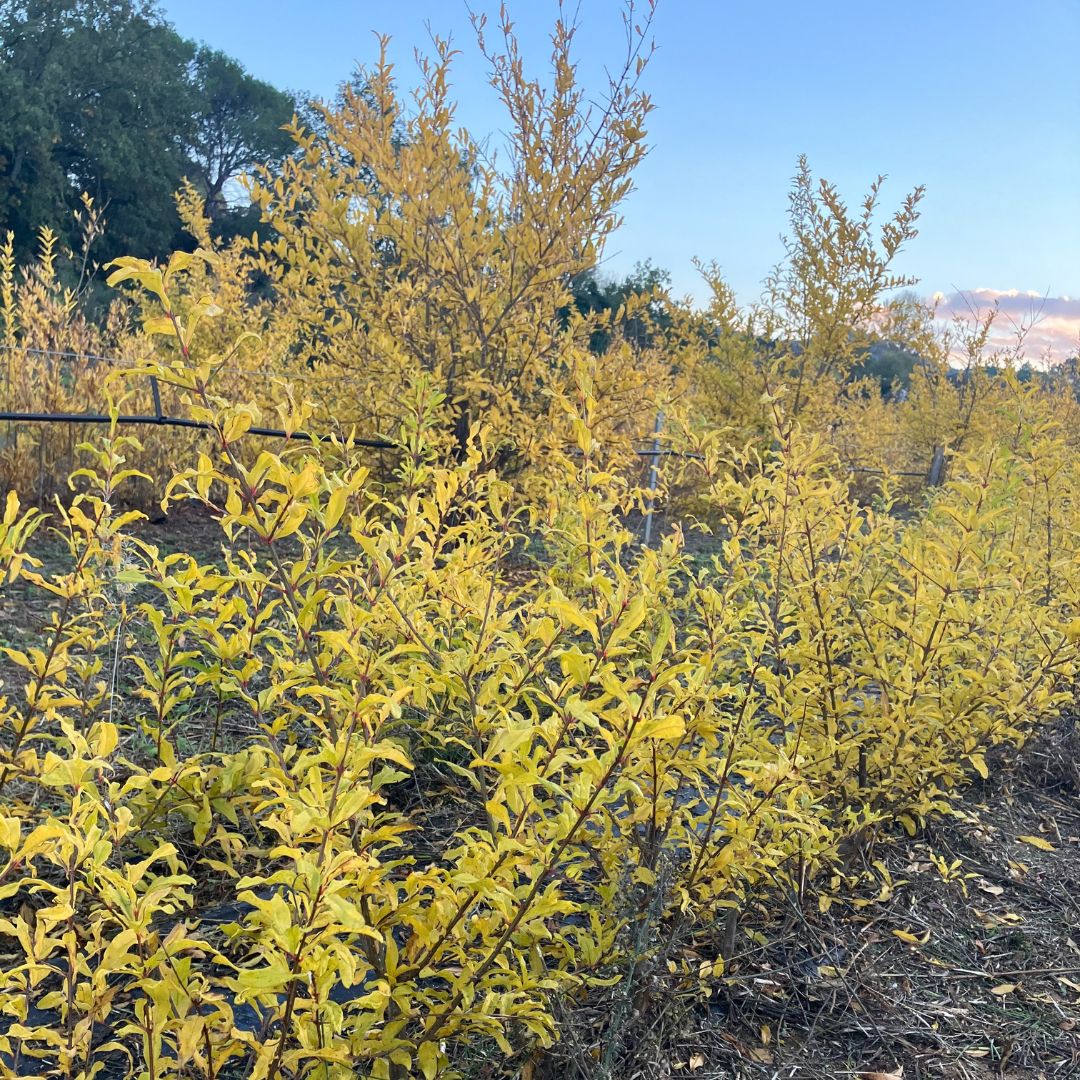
<point>401,247</point>
<point>461,777</point>
<point>429,738</point>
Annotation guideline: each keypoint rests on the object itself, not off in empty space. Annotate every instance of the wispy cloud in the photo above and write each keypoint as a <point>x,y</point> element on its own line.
<point>1050,324</point>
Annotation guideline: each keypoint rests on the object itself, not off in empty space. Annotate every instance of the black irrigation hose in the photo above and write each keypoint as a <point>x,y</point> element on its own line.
<point>880,472</point>
<point>168,421</point>
<point>174,421</point>
<point>301,436</point>
<point>161,420</point>
<point>199,425</point>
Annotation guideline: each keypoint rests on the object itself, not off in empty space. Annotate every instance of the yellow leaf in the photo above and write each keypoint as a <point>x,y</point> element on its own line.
<point>160,324</point>
<point>335,507</point>
<point>571,615</point>
<point>262,980</point>
<point>664,727</point>
<point>1037,841</point>
<point>103,737</point>
<point>1003,989</point>
<point>235,426</point>
<point>427,1057</point>
<point>10,833</point>
<point>910,938</point>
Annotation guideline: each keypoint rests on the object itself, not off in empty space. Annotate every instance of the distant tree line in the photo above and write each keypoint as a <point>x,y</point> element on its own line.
<point>105,97</point>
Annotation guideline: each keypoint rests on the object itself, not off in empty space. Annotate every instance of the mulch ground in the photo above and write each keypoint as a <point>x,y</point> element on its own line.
<point>969,974</point>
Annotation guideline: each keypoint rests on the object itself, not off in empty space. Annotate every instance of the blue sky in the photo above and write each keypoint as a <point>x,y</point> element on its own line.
<point>979,101</point>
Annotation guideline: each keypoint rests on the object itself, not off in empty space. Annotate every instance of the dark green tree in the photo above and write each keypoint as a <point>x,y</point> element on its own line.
<point>103,96</point>
<point>238,124</point>
<point>594,293</point>
<point>888,363</point>
<point>96,100</point>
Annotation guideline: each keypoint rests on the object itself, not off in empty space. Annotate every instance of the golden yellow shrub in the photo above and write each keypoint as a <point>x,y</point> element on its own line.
<point>446,780</point>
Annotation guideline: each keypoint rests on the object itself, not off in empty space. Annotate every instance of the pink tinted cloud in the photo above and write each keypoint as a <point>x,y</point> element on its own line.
<point>1052,323</point>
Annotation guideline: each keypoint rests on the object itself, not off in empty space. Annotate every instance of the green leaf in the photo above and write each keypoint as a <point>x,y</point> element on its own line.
<point>427,1057</point>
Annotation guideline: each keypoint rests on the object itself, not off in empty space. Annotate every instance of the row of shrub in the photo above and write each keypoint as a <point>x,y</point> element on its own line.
<point>436,783</point>
<point>424,748</point>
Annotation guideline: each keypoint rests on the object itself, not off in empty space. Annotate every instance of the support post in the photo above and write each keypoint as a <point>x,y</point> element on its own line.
<point>937,468</point>
<point>653,467</point>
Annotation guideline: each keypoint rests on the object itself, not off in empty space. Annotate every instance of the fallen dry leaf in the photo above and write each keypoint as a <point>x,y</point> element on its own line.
<point>697,1061</point>
<point>912,939</point>
<point>898,1075</point>
<point>1037,841</point>
<point>1003,989</point>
